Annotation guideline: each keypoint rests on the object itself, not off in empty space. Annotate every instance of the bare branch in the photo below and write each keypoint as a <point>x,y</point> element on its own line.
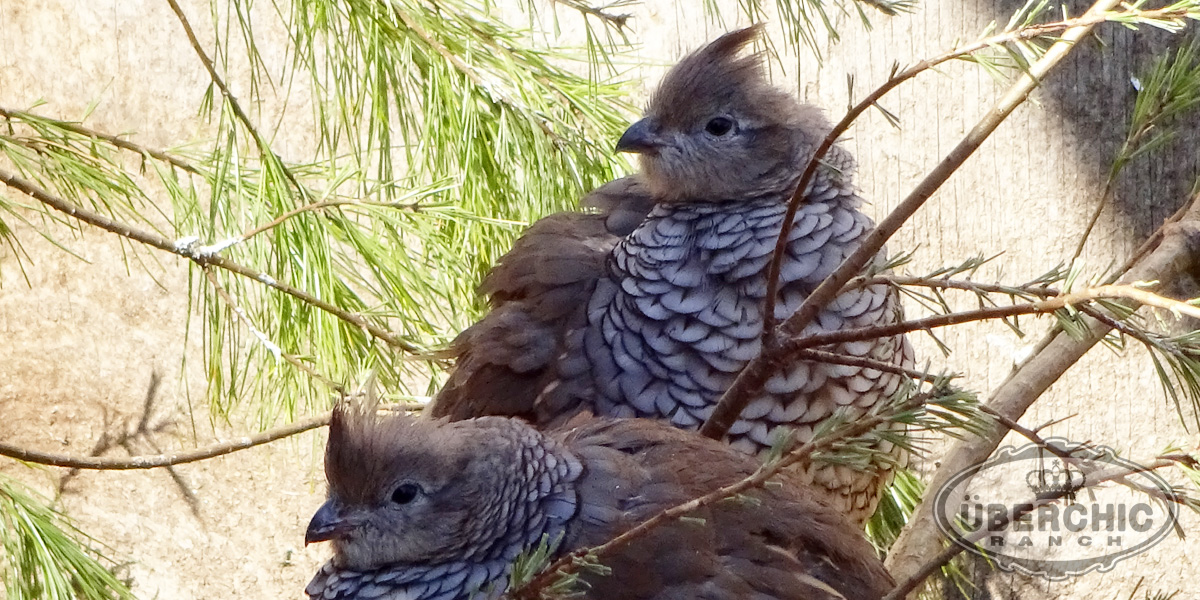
<point>1172,250</point>
<point>742,389</point>
<point>106,463</point>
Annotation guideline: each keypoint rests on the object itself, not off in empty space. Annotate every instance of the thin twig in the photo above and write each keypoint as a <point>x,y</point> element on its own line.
<point>103,463</point>
<point>202,259</point>
<point>1029,434</point>
<point>106,463</point>
<point>1048,305</point>
<point>1105,194</point>
<point>1124,328</point>
<point>867,363</point>
<point>323,204</point>
<point>617,21</point>
<point>947,283</point>
<point>742,389</point>
<point>112,139</point>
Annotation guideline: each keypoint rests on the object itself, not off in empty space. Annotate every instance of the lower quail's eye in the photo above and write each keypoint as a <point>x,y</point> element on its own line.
<point>405,493</point>
<point>719,126</point>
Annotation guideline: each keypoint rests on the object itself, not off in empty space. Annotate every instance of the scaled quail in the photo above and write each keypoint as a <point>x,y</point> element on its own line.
<point>422,509</point>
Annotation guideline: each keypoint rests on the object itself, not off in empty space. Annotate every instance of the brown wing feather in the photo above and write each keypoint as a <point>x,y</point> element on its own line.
<point>539,292</point>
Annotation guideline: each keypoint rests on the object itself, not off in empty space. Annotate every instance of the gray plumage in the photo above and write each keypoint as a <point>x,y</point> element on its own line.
<point>421,509</point>
<point>661,318</point>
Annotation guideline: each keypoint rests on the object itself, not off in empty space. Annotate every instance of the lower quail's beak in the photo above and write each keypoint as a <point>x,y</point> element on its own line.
<point>640,138</point>
<point>326,525</point>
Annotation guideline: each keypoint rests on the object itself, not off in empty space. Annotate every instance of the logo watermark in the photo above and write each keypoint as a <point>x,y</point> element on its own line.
<point>1055,513</point>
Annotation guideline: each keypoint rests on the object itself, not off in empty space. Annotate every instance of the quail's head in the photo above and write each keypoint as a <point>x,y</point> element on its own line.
<point>406,491</point>
<point>717,130</point>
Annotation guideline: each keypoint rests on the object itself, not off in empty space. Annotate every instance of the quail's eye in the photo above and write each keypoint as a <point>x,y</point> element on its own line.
<point>719,126</point>
<point>405,493</point>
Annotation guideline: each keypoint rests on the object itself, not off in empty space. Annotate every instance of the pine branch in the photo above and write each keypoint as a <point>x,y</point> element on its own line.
<point>202,257</point>
<point>1168,91</point>
<point>44,556</point>
<point>271,346</point>
<point>263,147</point>
<point>1028,290</point>
<point>117,141</point>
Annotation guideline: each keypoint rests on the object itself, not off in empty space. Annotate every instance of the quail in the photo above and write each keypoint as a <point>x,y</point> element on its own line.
<point>424,509</point>
<point>662,307</point>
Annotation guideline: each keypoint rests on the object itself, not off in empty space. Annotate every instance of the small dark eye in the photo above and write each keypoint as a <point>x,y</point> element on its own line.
<point>405,493</point>
<point>719,126</point>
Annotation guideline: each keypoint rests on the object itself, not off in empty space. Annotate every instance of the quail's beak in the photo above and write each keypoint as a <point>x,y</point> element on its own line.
<point>640,138</point>
<point>326,525</point>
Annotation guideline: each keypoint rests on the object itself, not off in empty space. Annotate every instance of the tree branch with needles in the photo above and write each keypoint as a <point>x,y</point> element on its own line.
<point>201,257</point>
<point>116,141</point>
<point>263,147</point>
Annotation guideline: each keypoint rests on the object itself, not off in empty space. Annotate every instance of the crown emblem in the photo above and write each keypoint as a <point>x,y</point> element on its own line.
<point>1057,481</point>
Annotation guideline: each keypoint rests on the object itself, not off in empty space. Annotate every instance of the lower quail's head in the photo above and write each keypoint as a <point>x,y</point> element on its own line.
<point>717,130</point>
<point>404,491</point>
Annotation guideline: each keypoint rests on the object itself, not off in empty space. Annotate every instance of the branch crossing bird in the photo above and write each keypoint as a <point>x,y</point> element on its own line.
<point>652,307</point>
<point>423,509</point>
